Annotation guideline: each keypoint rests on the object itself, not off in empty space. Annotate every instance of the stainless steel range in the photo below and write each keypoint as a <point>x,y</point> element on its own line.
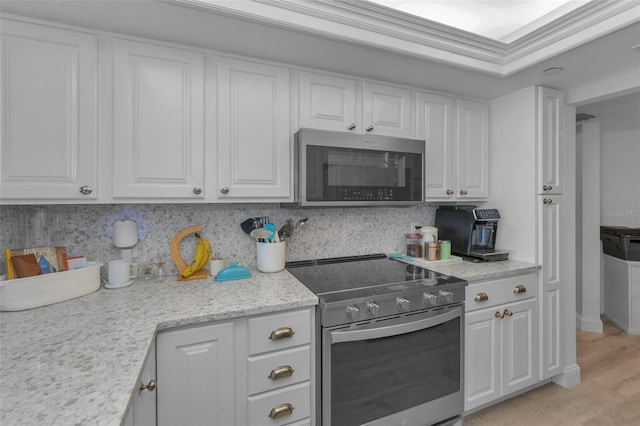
<point>391,342</point>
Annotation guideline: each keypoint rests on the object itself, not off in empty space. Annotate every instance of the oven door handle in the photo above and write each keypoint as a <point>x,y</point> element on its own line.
<point>339,336</point>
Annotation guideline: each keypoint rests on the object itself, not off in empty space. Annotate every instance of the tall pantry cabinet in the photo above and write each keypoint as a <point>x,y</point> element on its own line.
<point>532,180</point>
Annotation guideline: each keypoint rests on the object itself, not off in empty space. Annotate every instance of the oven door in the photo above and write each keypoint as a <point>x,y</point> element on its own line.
<point>404,369</point>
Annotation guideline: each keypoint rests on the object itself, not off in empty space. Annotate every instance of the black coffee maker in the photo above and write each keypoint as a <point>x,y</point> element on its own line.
<point>472,231</point>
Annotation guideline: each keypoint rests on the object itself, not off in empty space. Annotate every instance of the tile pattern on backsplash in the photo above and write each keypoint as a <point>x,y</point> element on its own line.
<point>88,229</point>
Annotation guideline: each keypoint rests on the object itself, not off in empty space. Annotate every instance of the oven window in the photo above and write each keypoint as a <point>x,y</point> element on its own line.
<point>375,378</point>
<point>347,174</point>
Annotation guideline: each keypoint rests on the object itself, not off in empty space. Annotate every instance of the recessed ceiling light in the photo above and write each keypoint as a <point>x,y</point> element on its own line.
<point>552,71</point>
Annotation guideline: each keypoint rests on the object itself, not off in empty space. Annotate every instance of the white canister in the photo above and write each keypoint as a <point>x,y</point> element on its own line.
<point>270,256</point>
<point>429,234</point>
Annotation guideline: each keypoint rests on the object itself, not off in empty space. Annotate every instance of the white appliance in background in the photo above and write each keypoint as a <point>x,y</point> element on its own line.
<point>125,236</point>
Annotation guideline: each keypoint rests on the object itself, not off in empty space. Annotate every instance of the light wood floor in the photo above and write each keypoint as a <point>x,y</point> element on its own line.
<point>608,395</point>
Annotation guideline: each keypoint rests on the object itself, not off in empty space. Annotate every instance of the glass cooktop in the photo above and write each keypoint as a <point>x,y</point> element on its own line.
<point>364,273</point>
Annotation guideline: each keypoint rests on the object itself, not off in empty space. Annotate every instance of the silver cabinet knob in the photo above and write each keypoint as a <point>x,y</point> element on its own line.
<point>353,311</point>
<point>351,126</point>
<point>224,190</point>
<point>86,190</point>
<point>373,308</point>
<point>197,190</point>
<point>547,188</point>
<point>369,128</point>
<point>151,386</point>
<point>449,191</point>
<point>547,201</point>
<point>463,192</point>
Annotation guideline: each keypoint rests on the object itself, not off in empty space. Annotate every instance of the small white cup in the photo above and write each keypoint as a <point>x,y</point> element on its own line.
<point>270,256</point>
<point>121,272</point>
<point>216,265</point>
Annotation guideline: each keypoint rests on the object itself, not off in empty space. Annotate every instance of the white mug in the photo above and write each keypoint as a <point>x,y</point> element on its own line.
<point>121,272</point>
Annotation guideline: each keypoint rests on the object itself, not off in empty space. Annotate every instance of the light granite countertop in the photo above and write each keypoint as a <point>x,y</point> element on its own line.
<point>472,271</point>
<point>77,362</point>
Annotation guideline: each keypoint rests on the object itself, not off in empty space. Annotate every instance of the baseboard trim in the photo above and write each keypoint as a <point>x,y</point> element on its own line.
<point>591,325</point>
<point>570,377</point>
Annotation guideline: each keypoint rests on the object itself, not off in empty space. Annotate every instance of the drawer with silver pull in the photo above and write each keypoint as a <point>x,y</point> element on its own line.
<point>279,331</point>
<point>281,406</point>
<point>499,291</point>
<point>279,369</point>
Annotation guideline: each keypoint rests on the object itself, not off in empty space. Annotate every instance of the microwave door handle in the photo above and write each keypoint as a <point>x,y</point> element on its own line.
<point>340,336</point>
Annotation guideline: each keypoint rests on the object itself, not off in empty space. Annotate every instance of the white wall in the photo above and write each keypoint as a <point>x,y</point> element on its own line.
<point>620,159</point>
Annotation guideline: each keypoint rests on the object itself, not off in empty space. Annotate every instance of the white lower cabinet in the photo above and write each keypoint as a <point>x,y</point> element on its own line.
<point>501,339</point>
<point>142,411</point>
<point>249,371</point>
<point>622,293</point>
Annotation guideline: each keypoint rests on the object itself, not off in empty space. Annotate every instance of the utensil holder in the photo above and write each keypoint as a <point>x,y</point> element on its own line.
<point>270,256</point>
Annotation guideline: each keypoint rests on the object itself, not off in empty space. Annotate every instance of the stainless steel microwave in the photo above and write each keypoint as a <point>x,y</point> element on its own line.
<point>340,169</point>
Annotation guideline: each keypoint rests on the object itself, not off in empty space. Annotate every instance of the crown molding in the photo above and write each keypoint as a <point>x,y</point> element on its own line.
<point>368,24</point>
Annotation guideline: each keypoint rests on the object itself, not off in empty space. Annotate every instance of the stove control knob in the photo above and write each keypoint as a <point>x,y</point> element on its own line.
<point>353,311</point>
<point>431,299</point>
<point>403,303</point>
<point>373,308</point>
<point>447,296</point>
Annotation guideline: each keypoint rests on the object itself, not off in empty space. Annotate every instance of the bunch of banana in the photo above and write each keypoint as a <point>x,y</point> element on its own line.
<point>200,257</point>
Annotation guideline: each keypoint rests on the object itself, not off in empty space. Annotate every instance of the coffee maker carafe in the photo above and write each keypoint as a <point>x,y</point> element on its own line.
<point>472,231</point>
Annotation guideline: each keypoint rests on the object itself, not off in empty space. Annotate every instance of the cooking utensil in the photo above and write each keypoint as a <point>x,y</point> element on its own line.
<point>300,223</point>
<point>261,234</point>
<point>286,230</point>
<point>271,227</point>
<point>254,223</point>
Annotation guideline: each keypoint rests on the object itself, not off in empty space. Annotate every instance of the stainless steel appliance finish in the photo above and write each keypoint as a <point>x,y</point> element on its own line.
<point>472,231</point>
<point>391,341</point>
<point>340,169</point>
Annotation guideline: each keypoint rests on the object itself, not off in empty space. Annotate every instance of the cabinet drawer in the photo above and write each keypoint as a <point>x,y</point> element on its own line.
<point>263,368</point>
<point>634,272</point>
<point>635,289</point>
<point>298,396</point>
<point>279,331</point>
<point>500,291</point>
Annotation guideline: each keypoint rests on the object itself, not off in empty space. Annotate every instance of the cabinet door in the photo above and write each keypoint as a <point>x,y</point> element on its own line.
<point>158,127</point>
<point>328,102</point>
<point>144,402</point>
<point>387,110</point>
<point>435,126</point>
<point>49,130</point>
<point>472,149</point>
<point>196,376</point>
<point>482,357</point>
<point>551,256</point>
<point>254,141</point>
<point>550,141</point>
<point>520,346</point>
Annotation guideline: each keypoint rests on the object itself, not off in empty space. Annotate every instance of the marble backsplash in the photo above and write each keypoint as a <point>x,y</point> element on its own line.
<point>88,229</point>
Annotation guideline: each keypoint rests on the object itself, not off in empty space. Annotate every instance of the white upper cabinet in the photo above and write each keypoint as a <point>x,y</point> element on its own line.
<point>472,149</point>
<point>158,124</point>
<point>550,141</point>
<point>456,133</point>
<point>254,136</point>
<point>49,126</point>
<point>328,102</point>
<point>342,104</point>
<point>387,110</point>
<point>435,126</point>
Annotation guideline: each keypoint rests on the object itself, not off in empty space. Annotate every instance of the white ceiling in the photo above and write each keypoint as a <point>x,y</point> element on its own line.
<point>600,64</point>
<point>501,20</point>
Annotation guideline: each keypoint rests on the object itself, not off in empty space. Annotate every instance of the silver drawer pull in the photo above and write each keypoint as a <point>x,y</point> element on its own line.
<point>281,333</point>
<point>520,289</point>
<point>281,411</point>
<point>481,297</point>
<point>281,372</point>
